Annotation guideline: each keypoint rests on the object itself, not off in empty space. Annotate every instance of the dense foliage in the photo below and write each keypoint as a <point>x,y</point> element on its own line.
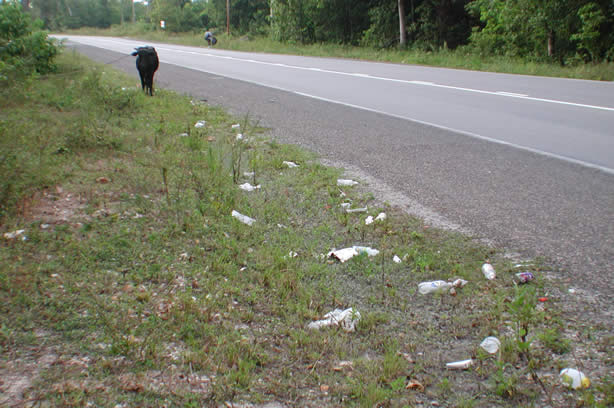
<point>564,30</point>
<point>24,48</point>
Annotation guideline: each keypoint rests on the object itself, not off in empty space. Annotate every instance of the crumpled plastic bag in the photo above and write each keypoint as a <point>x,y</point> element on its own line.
<point>491,344</point>
<point>347,319</point>
<point>243,218</point>
<point>348,253</point>
<point>248,187</point>
<point>574,379</point>
<point>346,183</point>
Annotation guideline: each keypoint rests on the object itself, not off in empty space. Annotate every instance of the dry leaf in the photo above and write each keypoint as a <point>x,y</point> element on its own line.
<point>414,385</point>
<point>324,388</point>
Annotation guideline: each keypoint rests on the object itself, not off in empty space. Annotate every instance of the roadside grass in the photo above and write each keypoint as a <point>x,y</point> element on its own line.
<point>461,58</point>
<point>135,286</point>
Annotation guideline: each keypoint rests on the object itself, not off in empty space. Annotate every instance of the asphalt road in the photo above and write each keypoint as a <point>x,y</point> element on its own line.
<point>522,162</point>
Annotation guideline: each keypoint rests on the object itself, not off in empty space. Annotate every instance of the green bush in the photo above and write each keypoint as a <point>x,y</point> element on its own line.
<point>24,48</point>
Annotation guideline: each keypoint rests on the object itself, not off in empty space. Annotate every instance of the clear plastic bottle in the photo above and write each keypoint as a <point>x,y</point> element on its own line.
<point>434,286</point>
<point>489,271</point>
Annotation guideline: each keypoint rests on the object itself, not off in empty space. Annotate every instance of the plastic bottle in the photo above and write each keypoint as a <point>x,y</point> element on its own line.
<point>434,286</point>
<point>488,271</point>
<point>524,277</point>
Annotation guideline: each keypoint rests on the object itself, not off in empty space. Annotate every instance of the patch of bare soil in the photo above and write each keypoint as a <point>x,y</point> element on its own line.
<point>19,373</point>
<point>56,206</point>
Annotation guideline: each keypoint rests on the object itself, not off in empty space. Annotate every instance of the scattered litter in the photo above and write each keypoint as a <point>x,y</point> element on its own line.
<point>491,344</point>
<point>524,277</point>
<point>574,379</point>
<point>542,299</point>
<point>369,220</point>
<point>440,285</point>
<point>243,218</point>
<point>292,254</point>
<point>414,385</point>
<point>248,187</point>
<point>460,365</point>
<point>347,253</point>
<point>183,135</point>
<point>281,226</point>
<point>45,226</point>
<point>572,291</point>
<point>396,259</point>
<point>200,124</point>
<point>459,283</point>
<point>239,136</point>
<point>434,286</point>
<point>346,206</point>
<point>248,174</point>
<point>380,217</point>
<point>346,183</point>
<point>369,251</point>
<point>347,319</point>
<point>344,365</point>
<point>290,164</point>
<point>14,234</point>
<point>236,126</point>
<point>356,210</point>
<point>488,271</point>
<point>102,180</point>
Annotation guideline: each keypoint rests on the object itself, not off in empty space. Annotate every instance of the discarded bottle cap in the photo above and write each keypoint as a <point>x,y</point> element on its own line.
<point>574,379</point>
<point>488,271</point>
<point>524,277</point>
<point>491,344</point>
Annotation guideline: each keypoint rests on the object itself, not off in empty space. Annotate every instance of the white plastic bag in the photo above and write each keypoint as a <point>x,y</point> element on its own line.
<point>347,319</point>
<point>243,218</point>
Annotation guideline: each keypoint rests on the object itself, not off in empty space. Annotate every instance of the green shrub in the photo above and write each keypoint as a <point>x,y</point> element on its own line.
<point>24,48</point>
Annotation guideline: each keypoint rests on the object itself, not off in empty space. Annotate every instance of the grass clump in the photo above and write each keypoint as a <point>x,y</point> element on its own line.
<point>133,284</point>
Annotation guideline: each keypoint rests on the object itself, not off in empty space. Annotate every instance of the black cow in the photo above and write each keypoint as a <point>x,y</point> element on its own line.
<point>147,63</point>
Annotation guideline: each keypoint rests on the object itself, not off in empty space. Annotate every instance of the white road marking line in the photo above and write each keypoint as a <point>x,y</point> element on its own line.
<point>512,94</point>
<point>466,133</point>
<point>422,83</point>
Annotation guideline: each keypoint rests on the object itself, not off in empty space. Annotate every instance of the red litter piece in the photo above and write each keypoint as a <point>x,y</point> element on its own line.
<point>543,299</point>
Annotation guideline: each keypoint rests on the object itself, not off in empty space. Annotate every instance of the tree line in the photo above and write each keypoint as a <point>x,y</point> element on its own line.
<point>560,30</point>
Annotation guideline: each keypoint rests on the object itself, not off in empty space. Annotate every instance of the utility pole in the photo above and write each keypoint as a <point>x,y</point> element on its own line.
<point>228,17</point>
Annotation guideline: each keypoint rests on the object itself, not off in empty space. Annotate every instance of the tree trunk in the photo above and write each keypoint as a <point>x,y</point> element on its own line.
<point>402,28</point>
<point>228,17</point>
<point>551,43</point>
<point>133,13</point>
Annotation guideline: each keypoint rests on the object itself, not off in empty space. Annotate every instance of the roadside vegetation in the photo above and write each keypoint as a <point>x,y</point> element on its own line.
<point>132,284</point>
